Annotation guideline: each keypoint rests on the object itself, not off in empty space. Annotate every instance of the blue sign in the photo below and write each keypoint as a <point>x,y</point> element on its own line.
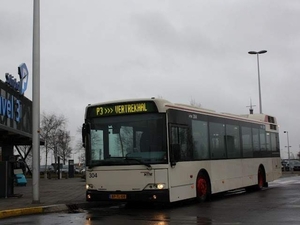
<point>23,73</point>
<point>10,108</point>
<point>20,86</point>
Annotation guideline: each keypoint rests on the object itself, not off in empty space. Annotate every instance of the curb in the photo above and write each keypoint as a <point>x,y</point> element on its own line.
<point>51,209</point>
<point>32,210</point>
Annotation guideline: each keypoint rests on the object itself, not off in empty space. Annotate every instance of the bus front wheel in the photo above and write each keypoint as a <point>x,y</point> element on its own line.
<point>203,188</point>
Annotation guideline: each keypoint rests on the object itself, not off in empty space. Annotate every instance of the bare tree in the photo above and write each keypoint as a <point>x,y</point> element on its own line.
<point>193,102</point>
<point>64,149</point>
<point>79,144</point>
<point>125,140</point>
<point>50,124</point>
<point>79,147</point>
<point>81,157</point>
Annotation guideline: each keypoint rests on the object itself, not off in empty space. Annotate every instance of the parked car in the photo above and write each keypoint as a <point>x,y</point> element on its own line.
<point>295,165</point>
<point>65,169</point>
<point>50,169</point>
<point>83,173</point>
<point>76,170</point>
<point>285,165</point>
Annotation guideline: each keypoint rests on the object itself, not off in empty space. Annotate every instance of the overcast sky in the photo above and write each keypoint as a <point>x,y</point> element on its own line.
<point>94,51</point>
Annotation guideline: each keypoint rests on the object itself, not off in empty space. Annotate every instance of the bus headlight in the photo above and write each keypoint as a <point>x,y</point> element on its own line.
<point>158,186</point>
<point>89,186</point>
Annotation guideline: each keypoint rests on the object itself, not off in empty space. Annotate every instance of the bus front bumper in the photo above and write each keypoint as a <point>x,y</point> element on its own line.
<point>159,196</point>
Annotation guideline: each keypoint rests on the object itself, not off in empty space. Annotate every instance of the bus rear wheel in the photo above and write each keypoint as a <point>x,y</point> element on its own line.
<point>261,181</point>
<point>203,188</point>
<point>260,178</point>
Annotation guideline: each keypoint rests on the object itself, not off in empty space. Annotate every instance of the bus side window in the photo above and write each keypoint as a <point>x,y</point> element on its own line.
<point>180,139</point>
<point>175,149</point>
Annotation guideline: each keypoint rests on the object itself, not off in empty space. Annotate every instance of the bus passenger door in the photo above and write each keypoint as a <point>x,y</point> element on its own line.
<point>182,181</point>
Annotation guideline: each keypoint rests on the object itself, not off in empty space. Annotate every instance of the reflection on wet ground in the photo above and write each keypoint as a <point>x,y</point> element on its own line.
<point>159,218</point>
<point>162,214</point>
<point>278,204</point>
<point>147,214</point>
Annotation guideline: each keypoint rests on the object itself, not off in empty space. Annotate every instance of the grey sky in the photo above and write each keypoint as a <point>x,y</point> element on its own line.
<point>94,51</point>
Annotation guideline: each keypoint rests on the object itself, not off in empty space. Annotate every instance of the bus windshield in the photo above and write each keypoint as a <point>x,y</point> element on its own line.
<point>128,140</point>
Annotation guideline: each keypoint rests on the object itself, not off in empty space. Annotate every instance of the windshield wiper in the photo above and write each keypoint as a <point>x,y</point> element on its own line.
<point>149,167</point>
<point>104,162</point>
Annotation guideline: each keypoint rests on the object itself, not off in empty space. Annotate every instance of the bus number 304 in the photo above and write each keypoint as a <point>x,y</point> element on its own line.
<point>92,175</point>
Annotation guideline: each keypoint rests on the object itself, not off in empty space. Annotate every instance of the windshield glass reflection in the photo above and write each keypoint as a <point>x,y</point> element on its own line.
<point>128,140</point>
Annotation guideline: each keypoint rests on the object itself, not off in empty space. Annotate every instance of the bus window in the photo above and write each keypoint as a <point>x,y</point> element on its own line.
<point>247,142</point>
<point>255,135</point>
<point>120,140</point>
<point>273,142</point>
<point>179,138</point>
<point>217,140</point>
<point>233,141</point>
<point>262,138</point>
<point>200,139</point>
<point>268,141</point>
<point>97,145</point>
<point>144,142</point>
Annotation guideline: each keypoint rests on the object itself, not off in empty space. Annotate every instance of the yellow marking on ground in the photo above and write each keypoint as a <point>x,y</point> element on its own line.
<point>20,212</point>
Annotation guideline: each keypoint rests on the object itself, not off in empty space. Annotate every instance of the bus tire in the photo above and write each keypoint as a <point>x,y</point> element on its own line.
<point>261,181</point>
<point>261,178</point>
<point>203,187</point>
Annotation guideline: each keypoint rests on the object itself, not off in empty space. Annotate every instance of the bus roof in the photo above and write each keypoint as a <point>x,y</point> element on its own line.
<point>163,105</point>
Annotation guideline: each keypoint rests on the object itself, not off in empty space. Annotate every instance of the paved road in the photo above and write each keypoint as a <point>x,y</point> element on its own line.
<point>278,204</point>
<point>55,195</point>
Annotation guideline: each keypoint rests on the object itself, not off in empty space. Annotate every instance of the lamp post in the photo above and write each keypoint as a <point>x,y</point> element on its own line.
<point>36,103</point>
<point>288,146</point>
<point>259,89</point>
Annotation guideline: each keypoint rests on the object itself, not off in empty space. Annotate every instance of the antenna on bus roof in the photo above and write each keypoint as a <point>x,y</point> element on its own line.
<point>250,107</point>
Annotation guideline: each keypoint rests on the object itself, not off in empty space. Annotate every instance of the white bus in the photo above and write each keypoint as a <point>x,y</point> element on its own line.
<point>157,151</point>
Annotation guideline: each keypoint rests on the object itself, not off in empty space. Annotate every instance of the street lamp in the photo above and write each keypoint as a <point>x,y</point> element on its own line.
<point>36,103</point>
<point>288,146</point>
<point>258,53</point>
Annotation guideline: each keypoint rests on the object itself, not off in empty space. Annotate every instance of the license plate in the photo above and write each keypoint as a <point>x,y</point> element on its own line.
<point>117,196</point>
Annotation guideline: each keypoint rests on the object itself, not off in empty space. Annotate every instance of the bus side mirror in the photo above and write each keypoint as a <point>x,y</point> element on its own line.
<point>85,131</point>
<point>86,141</point>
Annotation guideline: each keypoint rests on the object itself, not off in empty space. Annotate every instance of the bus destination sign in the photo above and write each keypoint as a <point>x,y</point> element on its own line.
<point>120,109</point>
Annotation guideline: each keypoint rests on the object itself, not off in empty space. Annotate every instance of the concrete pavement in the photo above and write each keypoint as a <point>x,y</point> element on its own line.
<point>55,195</point>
